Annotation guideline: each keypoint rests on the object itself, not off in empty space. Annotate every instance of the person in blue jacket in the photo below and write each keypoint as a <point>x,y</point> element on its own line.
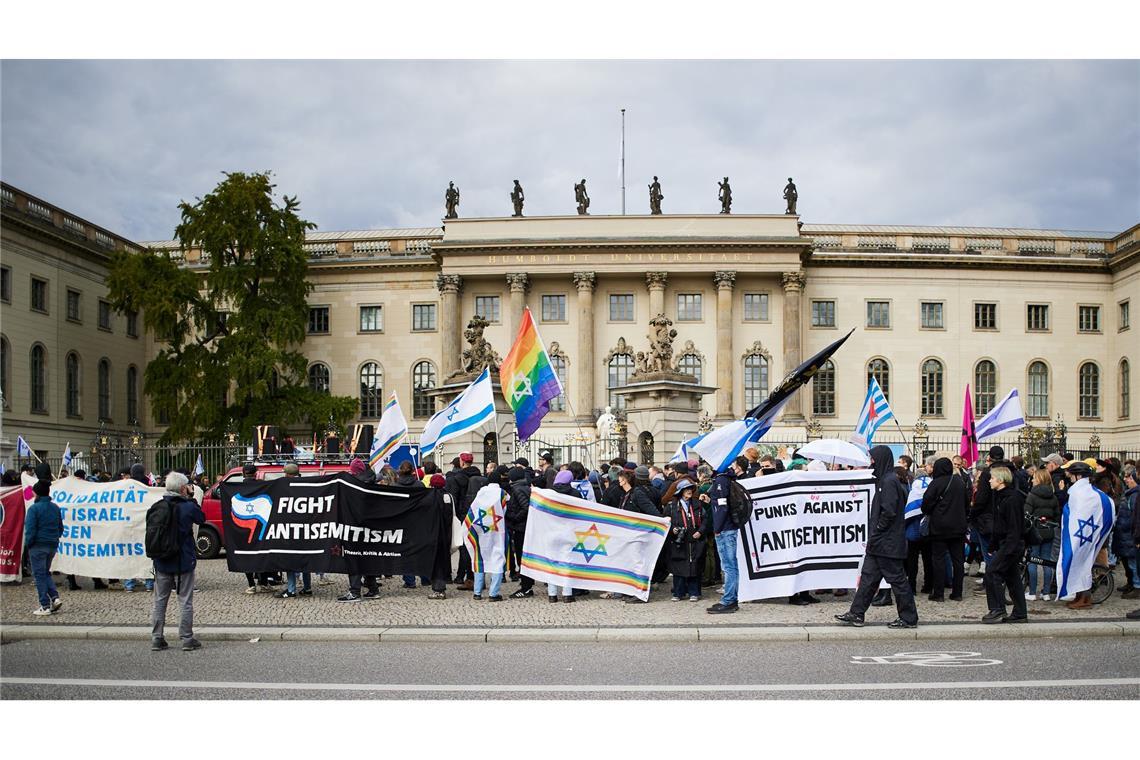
<point>43,525</point>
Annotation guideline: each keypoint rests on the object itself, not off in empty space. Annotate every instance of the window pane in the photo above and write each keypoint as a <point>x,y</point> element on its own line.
<point>554,308</point>
<point>823,313</point>
<point>39,295</point>
<point>73,378</point>
<point>932,315</point>
<point>1124,316</point>
<point>621,307</point>
<point>1037,316</point>
<point>559,364</point>
<point>1125,389</point>
<point>423,316</point>
<point>319,378</point>
<point>1038,390</point>
<point>755,380</point>
<point>1090,390</point>
<point>132,395</point>
<point>985,316</point>
<point>371,318</point>
<point>73,305</point>
<point>932,388</point>
<point>878,369</point>
<point>688,307</point>
<point>823,390</point>
<point>1089,319</point>
<point>620,368</point>
<point>371,390</point>
<point>755,307</point>
<point>318,319</point>
<point>878,314</point>
<point>690,364</point>
<point>104,315</point>
<point>39,379</point>
<point>132,324</point>
<point>104,390</point>
<point>487,307</point>
<point>423,379</point>
<point>985,387</point>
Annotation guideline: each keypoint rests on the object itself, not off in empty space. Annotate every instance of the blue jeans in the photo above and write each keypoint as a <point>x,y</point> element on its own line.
<point>410,580</point>
<point>40,557</point>
<point>726,548</point>
<point>1041,551</point>
<point>306,580</point>
<point>683,586</point>
<point>552,590</point>
<point>496,583</point>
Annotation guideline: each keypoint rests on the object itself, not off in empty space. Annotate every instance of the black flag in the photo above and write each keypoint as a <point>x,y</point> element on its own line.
<point>796,379</point>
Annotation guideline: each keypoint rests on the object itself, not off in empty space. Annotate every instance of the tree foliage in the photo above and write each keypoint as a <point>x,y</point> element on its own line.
<point>230,336</point>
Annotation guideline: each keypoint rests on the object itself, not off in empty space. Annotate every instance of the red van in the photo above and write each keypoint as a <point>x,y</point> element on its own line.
<point>209,542</point>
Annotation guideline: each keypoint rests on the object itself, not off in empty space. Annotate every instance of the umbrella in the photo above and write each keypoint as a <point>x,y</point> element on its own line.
<point>835,451</point>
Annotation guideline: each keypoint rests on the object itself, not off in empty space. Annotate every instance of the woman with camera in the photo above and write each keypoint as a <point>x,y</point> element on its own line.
<point>691,521</point>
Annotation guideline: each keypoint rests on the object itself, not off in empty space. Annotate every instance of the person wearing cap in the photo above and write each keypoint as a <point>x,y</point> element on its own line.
<point>691,520</point>
<point>544,476</point>
<point>562,486</point>
<point>1053,464</point>
<point>43,526</point>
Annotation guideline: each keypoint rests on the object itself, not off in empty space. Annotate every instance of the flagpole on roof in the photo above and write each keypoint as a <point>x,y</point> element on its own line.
<point>623,162</point>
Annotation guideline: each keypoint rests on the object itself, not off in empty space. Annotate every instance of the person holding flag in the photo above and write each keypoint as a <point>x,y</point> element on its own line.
<point>528,378</point>
<point>392,429</point>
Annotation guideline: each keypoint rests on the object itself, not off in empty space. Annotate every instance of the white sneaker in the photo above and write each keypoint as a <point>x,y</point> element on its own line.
<point>1044,597</point>
<point>1031,597</point>
<point>42,611</point>
<point>251,589</point>
<point>675,599</point>
<point>56,604</point>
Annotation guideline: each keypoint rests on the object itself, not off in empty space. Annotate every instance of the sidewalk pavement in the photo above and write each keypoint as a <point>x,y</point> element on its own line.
<point>222,609</point>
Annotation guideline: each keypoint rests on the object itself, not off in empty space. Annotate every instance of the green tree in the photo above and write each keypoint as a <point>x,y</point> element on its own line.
<point>229,337</point>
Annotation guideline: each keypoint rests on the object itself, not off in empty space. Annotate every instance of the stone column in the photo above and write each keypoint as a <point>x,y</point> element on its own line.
<point>656,282</point>
<point>724,282</point>
<point>793,288</point>
<point>449,321</point>
<point>518,282</point>
<point>585,282</point>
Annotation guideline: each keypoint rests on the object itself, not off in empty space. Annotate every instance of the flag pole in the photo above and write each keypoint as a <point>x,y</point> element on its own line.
<point>909,444</point>
<point>623,162</point>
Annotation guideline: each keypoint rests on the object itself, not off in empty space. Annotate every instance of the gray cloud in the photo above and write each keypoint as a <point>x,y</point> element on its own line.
<point>373,144</point>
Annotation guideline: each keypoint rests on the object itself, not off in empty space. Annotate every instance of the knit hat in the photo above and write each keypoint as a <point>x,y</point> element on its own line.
<point>43,471</point>
<point>516,474</point>
<point>522,462</point>
<point>629,466</point>
<point>438,481</point>
<point>356,466</point>
<point>641,473</point>
<point>465,457</point>
<point>138,472</point>
<point>42,488</point>
<point>563,477</point>
<point>997,453</point>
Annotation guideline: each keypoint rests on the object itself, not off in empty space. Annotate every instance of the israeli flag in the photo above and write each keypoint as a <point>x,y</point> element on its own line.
<point>468,411</point>
<point>875,412</point>
<point>22,447</point>
<point>1086,522</point>
<point>682,453</point>
<point>727,442</point>
<point>199,468</point>
<point>1003,418</point>
<point>914,499</point>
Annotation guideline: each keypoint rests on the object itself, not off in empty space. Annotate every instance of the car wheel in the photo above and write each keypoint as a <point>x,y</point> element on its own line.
<point>208,543</point>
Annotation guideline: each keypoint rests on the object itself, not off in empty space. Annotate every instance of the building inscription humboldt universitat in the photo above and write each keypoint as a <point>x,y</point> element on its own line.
<point>934,308</point>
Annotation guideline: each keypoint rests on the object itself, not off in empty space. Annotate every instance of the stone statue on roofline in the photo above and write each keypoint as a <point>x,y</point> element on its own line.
<point>451,198</point>
<point>517,199</point>
<point>655,197</point>
<point>725,197</point>
<point>582,198</point>
<point>791,196</point>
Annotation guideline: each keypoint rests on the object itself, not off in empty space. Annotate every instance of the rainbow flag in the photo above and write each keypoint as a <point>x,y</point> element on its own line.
<point>485,530</point>
<point>582,544</point>
<point>528,379</point>
<point>391,430</point>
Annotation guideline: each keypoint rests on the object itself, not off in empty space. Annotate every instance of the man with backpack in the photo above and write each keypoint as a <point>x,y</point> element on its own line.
<point>170,543</point>
<point>724,492</point>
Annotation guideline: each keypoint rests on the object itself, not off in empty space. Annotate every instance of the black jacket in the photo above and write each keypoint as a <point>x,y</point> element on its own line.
<point>613,495</point>
<point>1042,503</point>
<point>640,499</point>
<point>687,554</point>
<point>1009,519</point>
<point>982,511</point>
<point>410,481</point>
<point>945,502</point>
<point>888,529</point>
<point>518,506</point>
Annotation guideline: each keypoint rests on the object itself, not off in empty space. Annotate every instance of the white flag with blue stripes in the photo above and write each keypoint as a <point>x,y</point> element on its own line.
<point>22,447</point>
<point>199,467</point>
<point>1003,418</point>
<point>727,442</point>
<point>1086,522</point>
<point>468,411</point>
<point>875,412</point>
<point>914,499</point>
<point>67,455</point>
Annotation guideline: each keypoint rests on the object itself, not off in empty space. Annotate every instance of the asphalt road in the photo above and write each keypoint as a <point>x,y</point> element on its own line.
<point>1062,668</point>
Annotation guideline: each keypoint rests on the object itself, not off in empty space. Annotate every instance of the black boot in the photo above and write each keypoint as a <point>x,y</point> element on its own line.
<point>72,585</point>
<point>883,598</point>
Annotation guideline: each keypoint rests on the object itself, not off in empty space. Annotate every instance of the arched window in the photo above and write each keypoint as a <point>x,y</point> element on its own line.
<point>823,390</point>
<point>558,364</point>
<point>371,390</point>
<point>620,366</point>
<point>755,380</point>
<point>881,371</point>
<point>932,388</point>
<point>1125,394</point>
<point>39,378</point>
<point>104,389</point>
<point>1089,400</point>
<point>5,371</point>
<point>985,387</point>
<point>319,378</point>
<point>690,364</point>
<point>132,395</point>
<point>74,377</point>
<point>423,379</point>
<point>1038,390</point>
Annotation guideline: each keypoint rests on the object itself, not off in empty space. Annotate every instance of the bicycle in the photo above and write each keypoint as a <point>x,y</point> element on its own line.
<point>1103,580</point>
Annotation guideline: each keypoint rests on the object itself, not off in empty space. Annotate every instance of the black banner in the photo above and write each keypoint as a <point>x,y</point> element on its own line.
<point>331,524</point>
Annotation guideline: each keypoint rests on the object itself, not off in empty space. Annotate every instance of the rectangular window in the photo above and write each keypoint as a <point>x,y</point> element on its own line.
<point>1088,318</point>
<point>932,315</point>
<point>621,307</point>
<point>487,307</point>
<point>554,308</point>
<point>132,324</point>
<point>74,313</point>
<point>823,313</point>
<point>985,316</point>
<point>104,315</point>
<point>755,307</point>
<point>878,314</point>
<point>689,307</point>
<point>1124,317</point>
<point>423,317</point>
<point>371,319</point>
<point>6,284</point>
<point>1037,317</point>
<point>318,320</point>
<point>39,295</point>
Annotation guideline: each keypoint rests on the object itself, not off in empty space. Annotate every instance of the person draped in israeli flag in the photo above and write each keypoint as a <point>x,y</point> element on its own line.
<point>468,411</point>
<point>1086,523</point>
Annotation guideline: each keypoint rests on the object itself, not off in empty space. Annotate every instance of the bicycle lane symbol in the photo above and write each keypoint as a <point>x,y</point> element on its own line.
<point>950,659</point>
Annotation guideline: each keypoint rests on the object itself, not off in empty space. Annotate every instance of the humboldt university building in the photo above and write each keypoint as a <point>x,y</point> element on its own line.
<point>933,308</point>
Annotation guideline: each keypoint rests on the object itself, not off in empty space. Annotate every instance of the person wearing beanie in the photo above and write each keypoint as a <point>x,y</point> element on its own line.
<point>562,485</point>
<point>437,481</point>
<point>43,472</point>
<point>356,581</point>
<point>356,467</point>
<point>43,526</point>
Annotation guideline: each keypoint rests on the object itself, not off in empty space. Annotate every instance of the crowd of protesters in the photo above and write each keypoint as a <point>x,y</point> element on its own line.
<point>972,525</point>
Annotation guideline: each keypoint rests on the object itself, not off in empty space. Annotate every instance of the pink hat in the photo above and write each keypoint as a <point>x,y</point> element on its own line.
<point>356,466</point>
<point>466,457</point>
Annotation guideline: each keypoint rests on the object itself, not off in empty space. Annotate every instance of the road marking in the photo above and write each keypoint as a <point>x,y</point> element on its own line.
<point>567,688</point>
<point>927,659</point>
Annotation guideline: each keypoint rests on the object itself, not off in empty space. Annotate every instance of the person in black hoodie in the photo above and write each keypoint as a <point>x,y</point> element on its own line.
<point>1003,571</point>
<point>406,477</point>
<point>459,486</point>
<point>886,547</point>
<point>518,507</point>
<point>944,505</point>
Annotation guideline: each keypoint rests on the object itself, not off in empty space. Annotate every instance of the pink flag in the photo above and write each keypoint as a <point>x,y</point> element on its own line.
<point>969,448</point>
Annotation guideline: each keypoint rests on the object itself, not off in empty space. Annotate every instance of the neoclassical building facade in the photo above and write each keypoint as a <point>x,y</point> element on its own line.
<point>750,296</point>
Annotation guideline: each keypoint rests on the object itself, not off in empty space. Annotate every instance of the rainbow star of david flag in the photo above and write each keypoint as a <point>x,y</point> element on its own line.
<point>529,380</point>
<point>391,430</point>
<point>574,542</point>
<point>485,530</point>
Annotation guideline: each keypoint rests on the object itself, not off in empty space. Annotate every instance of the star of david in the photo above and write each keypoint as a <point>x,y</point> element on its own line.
<point>495,520</point>
<point>451,415</point>
<point>599,546</point>
<point>1091,525</point>
<point>522,387</point>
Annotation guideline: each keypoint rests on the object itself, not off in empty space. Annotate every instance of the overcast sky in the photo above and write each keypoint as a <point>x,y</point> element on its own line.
<point>1052,144</point>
